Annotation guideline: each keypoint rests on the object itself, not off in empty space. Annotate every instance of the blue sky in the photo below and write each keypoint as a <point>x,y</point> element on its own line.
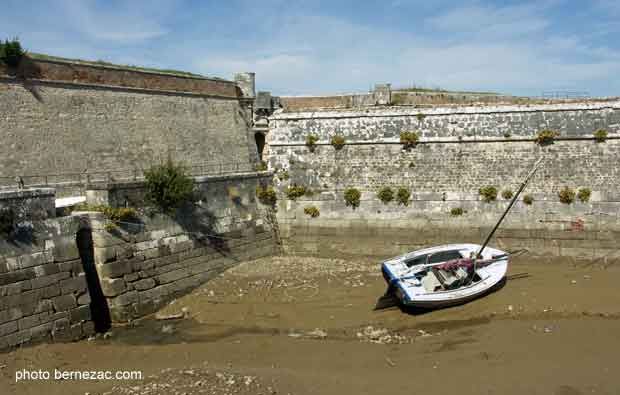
<point>319,47</point>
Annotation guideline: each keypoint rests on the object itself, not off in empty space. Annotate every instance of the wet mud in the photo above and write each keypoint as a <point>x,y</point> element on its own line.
<point>305,325</point>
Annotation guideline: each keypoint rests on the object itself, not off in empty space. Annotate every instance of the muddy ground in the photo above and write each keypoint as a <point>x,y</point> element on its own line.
<point>297,325</point>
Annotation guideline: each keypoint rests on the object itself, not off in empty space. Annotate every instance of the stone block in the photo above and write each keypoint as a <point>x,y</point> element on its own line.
<point>38,258</point>
<point>103,255</point>
<point>11,314</point>
<point>112,286</point>
<point>8,328</point>
<point>65,249</point>
<point>125,299</point>
<point>46,270</point>
<point>79,314</point>
<point>144,284</point>
<point>114,269</point>
<point>131,277</point>
<point>172,276</point>
<point>17,338</point>
<point>84,299</point>
<point>15,288</point>
<point>45,281</point>
<point>64,302</point>
<point>41,331</point>
<point>73,284</point>
<point>33,320</point>
<point>146,245</point>
<point>144,265</point>
<point>181,246</point>
<point>16,276</point>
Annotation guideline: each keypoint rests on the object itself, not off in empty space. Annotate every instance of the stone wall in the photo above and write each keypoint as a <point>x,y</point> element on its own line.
<point>460,151</point>
<point>29,204</point>
<point>43,288</point>
<point>80,72</point>
<point>144,265</point>
<point>56,128</point>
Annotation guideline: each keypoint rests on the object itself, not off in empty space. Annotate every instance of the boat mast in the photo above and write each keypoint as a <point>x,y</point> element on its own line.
<point>512,202</point>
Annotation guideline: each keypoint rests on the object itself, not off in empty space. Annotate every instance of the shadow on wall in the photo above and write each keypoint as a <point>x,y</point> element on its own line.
<point>98,306</point>
<point>200,224</point>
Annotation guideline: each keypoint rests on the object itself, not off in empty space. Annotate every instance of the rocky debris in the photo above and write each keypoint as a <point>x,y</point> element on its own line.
<point>167,329</point>
<point>196,381</point>
<point>313,334</point>
<point>382,336</point>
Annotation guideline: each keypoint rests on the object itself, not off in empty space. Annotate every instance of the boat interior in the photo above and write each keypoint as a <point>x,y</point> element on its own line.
<point>434,279</point>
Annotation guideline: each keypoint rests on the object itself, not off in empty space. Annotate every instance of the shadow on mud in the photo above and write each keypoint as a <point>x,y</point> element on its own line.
<point>151,331</point>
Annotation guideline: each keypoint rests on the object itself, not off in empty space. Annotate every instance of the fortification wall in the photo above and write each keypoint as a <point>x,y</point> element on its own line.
<point>57,128</point>
<point>460,151</point>
<point>145,265</point>
<point>43,288</point>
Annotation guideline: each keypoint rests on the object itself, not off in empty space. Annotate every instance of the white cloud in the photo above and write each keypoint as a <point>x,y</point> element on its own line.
<point>313,54</point>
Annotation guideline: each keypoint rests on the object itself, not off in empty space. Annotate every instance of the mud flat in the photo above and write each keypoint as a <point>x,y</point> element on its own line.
<point>306,326</point>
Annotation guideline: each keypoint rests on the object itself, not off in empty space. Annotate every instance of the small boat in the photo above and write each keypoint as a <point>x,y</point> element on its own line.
<point>447,275</point>
<point>444,275</point>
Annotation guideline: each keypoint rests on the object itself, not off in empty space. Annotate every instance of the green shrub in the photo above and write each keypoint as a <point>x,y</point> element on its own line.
<point>312,211</point>
<point>295,191</point>
<point>566,195</point>
<point>600,135</point>
<point>528,199</point>
<point>546,137</point>
<point>584,194</point>
<point>385,194</point>
<point>507,135</point>
<point>311,140</point>
<point>168,186</point>
<point>402,196</point>
<point>411,164</point>
<point>266,195</point>
<point>455,212</point>
<point>7,221</point>
<point>507,194</point>
<point>110,227</point>
<point>352,197</point>
<point>11,53</point>
<point>283,175</point>
<point>488,193</point>
<point>420,116</point>
<point>409,139</point>
<point>121,214</point>
<point>261,166</point>
<point>337,142</point>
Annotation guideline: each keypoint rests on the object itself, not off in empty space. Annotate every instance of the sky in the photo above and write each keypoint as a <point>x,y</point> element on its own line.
<point>314,47</point>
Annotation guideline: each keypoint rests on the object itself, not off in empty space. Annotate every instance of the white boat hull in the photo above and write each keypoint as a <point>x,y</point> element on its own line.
<point>410,292</point>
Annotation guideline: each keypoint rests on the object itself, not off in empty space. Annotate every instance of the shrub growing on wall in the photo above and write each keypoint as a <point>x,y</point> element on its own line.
<point>566,195</point>
<point>312,211</point>
<point>584,194</point>
<point>295,191</point>
<point>457,211</point>
<point>311,140</point>
<point>261,166</point>
<point>488,193</point>
<point>352,197</point>
<point>337,142</point>
<point>385,194</point>
<point>402,196</point>
<point>420,116</point>
<point>528,199</point>
<point>409,139</point>
<point>168,186</point>
<point>600,135</point>
<point>266,195</point>
<point>507,194</point>
<point>546,137</point>
<point>11,53</point>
